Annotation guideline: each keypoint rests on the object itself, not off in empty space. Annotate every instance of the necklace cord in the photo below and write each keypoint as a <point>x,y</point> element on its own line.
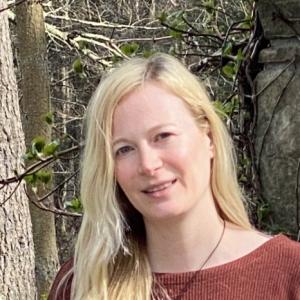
<point>192,279</point>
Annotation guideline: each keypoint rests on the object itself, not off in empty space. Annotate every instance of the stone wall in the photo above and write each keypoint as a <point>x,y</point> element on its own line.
<point>277,142</point>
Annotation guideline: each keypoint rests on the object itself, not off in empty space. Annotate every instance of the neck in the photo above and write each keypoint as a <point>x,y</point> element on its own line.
<point>183,243</point>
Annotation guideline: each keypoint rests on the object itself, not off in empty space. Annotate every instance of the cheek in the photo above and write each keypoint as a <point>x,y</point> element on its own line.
<point>199,162</point>
<point>119,173</point>
<point>123,174</point>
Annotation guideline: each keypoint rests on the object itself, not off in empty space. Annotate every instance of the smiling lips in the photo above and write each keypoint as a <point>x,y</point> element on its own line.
<point>155,188</point>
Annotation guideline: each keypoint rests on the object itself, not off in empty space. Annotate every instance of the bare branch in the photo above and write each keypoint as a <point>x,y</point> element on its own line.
<point>63,36</point>
<point>57,187</point>
<point>52,209</point>
<point>39,165</point>
<point>213,37</point>
<point>103,24</point>
<point>11,194</point>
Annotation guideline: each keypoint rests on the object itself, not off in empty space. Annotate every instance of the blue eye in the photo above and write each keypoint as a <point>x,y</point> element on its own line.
<point>123,150</point>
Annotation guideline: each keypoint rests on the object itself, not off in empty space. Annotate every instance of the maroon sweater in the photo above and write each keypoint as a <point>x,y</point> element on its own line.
<point>270,272</point>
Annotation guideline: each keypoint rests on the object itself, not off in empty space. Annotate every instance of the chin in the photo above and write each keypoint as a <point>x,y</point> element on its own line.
<point>166,214</point>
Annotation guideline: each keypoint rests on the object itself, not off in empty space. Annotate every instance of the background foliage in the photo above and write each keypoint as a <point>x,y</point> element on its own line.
<point>218,40</point>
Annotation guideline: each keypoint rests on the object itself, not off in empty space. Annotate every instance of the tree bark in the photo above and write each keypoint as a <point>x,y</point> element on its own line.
<point>35,104</point>
<point>278,119</point>
<point>17,279</point>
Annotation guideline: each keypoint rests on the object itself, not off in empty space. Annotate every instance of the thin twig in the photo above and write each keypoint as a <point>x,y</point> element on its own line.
<point>189,33</point>
<point>150,39</point>
<point>10,195</point>
<point>38,165</point>
<point>58,187</point>
<point>287,21</point>
<point>48,209</point>
<point>9,6</point>
<point>216,9</point>
<point>104,24</point>
<point>275,77</point>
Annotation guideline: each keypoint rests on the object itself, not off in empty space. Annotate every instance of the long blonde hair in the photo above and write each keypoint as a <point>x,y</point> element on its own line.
<point>110,257</point>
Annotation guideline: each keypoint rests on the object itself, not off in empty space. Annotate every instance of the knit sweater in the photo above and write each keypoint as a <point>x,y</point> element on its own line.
<point>270,272</point>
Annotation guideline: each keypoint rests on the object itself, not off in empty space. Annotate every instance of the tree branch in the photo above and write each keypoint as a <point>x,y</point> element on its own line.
<point>52,209</point>
<point>57,187</point>
<point>103,24</point>
<point>39,165</point>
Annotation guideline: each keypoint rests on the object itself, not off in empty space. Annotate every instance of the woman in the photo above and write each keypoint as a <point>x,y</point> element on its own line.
<point>163,214</point>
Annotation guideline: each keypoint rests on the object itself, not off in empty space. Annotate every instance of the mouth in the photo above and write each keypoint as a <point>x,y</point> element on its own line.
<point>159,187</point>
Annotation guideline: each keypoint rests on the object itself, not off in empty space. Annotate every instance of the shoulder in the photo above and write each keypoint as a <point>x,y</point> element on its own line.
<point>286,261</point>
<point>280,256</point>
<point>285,250</point>
<point>61,287</point>
<point>280,249</point>
<point>250,245</point>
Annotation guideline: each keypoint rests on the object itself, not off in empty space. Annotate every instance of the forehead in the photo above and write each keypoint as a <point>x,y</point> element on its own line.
<point>149,105</point>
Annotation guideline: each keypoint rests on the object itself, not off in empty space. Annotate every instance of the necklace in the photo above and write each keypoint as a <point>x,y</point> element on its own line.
<point>192,279</point>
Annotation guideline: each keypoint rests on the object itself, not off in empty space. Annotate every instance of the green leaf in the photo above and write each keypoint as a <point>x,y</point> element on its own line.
<point>175,34</point>
<point>31,179</point>
<point>37,144</point>
<point>50,148</point>
<point>129,48</point>
<point>247,24</point>
<point>209,6</point>
<point>43,176</point>
<point>28,156</point>
<point>163,17</point>
<point>227,48</point>
<point>77,66</point>
<point>229,70</point>
<point>219,107</point>
<point>49,118</point>
<point>178,25</point>
<point>74,205</point>
<point>177,16</point>
<point>263,211</point>
<point>240,56</point>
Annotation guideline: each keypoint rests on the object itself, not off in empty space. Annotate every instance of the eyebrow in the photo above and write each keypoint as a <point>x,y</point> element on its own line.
<point>154,128</point>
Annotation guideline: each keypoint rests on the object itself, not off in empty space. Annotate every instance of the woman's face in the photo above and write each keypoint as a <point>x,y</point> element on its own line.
<point>162,158</point>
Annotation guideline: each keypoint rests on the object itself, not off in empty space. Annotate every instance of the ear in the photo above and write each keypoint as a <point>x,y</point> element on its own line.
<point>210,141</point>
<point>211,146</point>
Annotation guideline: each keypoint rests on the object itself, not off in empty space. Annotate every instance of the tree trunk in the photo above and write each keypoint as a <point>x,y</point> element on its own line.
<point>278,120</point>
<point>35,104</point>
<point>16,246</point>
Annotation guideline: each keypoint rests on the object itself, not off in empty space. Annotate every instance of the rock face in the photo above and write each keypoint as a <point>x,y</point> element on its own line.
<point>277,141</point>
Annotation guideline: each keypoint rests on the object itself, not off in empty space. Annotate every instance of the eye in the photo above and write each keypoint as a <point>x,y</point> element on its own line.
<point>123,151</point>
<point>162,136</point>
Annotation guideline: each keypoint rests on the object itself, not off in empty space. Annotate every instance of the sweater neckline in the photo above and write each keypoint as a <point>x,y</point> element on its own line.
<point>243,260</point>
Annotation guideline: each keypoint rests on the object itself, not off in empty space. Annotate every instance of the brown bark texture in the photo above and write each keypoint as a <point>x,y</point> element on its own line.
<point>17,279</point>
<point>35,104</point>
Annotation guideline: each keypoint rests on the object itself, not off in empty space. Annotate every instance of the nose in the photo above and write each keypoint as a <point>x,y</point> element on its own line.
<point>150,161</point>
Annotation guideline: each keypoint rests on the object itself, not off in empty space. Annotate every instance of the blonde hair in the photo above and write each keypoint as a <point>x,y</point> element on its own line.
<point>110,257</point>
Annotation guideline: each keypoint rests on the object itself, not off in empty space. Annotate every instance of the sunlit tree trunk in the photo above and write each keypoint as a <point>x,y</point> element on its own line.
<point>35,104</point>
<point>16,244</point>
